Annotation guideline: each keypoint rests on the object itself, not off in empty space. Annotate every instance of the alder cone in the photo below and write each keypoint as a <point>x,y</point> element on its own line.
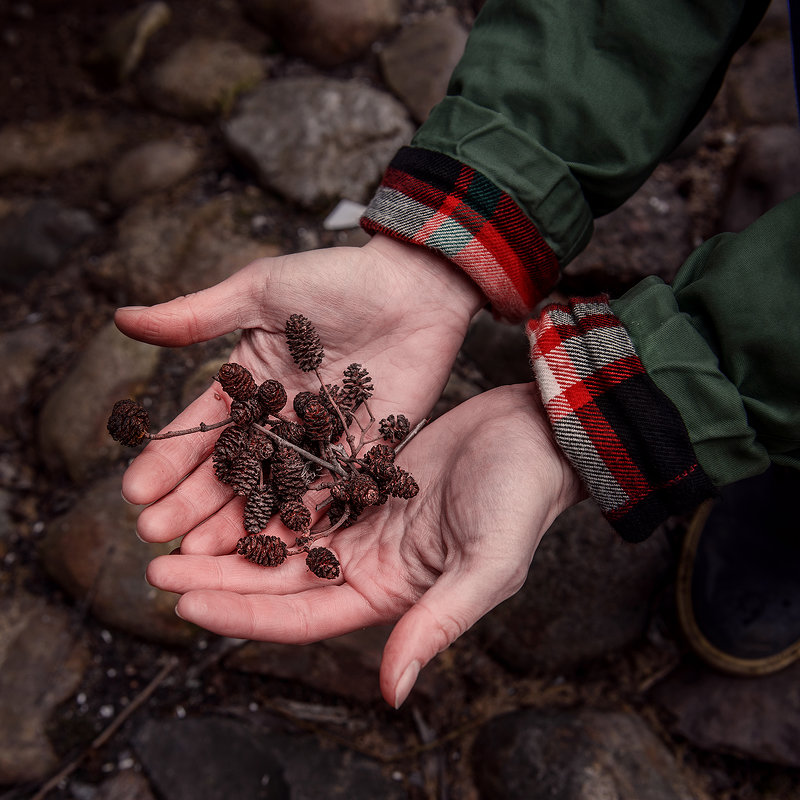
<point>237,381</point>
<point>394,429</point>
<point>259,444</point>
<point>357,385</point>
<point>258,509</point>
<point>246,412</point>
<point>290,431</point>
<point>401,484</point>
<point>295,516</point>
<point>379,461</point>
<point>364,492</point>
<point>323,563</point>
<point>287,473</point>
<point>128,423</point>
<point>272,396</point>
<point>266,551</point>
<point>243,474</point>
<point>317,421</point>
<point>303,342</point>
<point>301,400</point>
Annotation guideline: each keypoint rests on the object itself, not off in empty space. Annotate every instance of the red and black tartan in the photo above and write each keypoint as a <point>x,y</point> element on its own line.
<point>430,199</point>
<point>622,434</point>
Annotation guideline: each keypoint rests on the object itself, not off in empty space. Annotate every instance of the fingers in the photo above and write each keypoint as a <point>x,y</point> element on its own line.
<point>451,606</point>
<point>165,462</point>
<point>309,616</point>
<point>218,535</point>
<point>226,307</point>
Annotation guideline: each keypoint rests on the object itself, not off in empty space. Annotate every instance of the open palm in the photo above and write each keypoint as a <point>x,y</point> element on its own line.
<point>399,310</point>
<point>491,482</point>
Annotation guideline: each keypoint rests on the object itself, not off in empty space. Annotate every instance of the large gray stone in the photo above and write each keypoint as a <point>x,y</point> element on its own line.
<point>417,64</point>
<point>316,140</point>
<point>587,595</point>
<point>41,664</point>
<point>766,172</point>
<point>323,32</point>
<point>72,429</point>
<point>93,550</point>
<point>203,78</point>
<point>575,755</point>
<point>749,717</point>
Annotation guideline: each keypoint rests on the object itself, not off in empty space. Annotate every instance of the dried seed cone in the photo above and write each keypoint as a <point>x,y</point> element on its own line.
<point>401,484</point>
<point>337,509</point>
<point>243,474</point>
<point>290,431</point>
<point>266,551</point>
<point>394,429</point>
<point>258,509</point>
<point>364,492</point>
<point>259,444</point>
<point>287,473</point>
<point>342,403</point>
<point>237,381</point>
<point>323,563</point>
<point>317,421</point>
<point>303,342</point>
<point>272,395</point>
<point>295,516</point>
<point>245,412</point>
<point>379,461</point>
<point>128,423</point>
<point>357,384</point>
<point>301,400</point>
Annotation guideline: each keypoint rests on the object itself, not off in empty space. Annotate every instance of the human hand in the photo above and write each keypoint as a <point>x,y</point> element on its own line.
<point>399,310</point>
<point>491,480</point>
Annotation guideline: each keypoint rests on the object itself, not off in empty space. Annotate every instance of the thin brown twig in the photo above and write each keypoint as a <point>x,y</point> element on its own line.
<point>201,428</point>
<point>410,435</point>
<point>310,456</point>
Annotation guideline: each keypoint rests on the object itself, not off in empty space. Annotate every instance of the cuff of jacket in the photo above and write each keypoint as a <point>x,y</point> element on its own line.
<point>621,433</point>
<point>429,199</point>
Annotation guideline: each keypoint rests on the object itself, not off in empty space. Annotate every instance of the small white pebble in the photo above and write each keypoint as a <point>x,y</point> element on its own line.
<point>397,775</point>
<point>253,707</point>
<point>108,767</point>
<point>106,636</point>
<point>80,698</point>
<point>106,712</point>
<point>37,526</point>
<point>126,762</point>
<point>111,673</point>
<point>180,712</point>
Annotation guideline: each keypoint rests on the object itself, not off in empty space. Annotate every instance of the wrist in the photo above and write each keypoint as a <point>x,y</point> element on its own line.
<point>428,274</point>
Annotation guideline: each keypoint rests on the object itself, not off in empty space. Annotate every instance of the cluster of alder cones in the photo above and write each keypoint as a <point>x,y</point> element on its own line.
<point>273,461</point>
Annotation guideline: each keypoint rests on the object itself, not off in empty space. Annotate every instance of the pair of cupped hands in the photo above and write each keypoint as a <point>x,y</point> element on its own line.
<point>491,477</point>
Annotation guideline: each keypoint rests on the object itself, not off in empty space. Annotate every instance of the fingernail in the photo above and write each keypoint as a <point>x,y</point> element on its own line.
<point>126,499</point>
<point>178,613</point>
<point>131,308</point>
<point>406,683</point>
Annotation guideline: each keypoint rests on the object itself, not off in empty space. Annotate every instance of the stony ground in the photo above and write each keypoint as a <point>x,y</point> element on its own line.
<point>151,153</point>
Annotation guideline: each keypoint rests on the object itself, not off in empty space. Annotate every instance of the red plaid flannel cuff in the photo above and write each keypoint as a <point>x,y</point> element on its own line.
<point>430,199</point>
<point>619,430</point>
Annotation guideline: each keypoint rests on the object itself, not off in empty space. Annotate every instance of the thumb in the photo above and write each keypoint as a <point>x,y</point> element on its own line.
<point>449,608</point>
<point>232,304</point>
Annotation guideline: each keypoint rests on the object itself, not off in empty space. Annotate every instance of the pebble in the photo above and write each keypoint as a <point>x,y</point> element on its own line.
<point>42,660</point>
<point>587,595</point>
<point>203,78</point>
<point>575,755</point>
<point>150,167</point>
<point>46,148</point>
<point>160,256</point>
<point>325,33</point>
<point>755,718</point>
<point>315,140</point>
<point>122,46</point>
<point>39,239</point>
<point>417,64</point>
<point>94,548</point>
<point>72,429</point>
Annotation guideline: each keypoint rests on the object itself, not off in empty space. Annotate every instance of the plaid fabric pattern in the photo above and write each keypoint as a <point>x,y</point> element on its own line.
<point>620,432</point>
<point>429,199</point>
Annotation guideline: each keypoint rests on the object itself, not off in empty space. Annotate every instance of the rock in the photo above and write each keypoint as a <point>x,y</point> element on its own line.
<point>344,216</point>
<point>649,235</point>
<point>43,149</point>
<point>160,255</point>
<point>574,755</point>
<point>587,595</point>
<point>94,548</point>
<point>119,52</point>
<point>203,78</point>
<point>325,33</point>
<point>21,352</point>
<point>760,84</point>
<point>151,167</point>
<point>39,239</point>
<point>347,666</point>
<point>417,65</point>
<point>748,717</point>
<point>316,140</point>
<point>125,785</point>
<point>210,758</point>
<point>72,424</point>
<point>766,172</point>
<point>500,351</point>
<point>41,665</point>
